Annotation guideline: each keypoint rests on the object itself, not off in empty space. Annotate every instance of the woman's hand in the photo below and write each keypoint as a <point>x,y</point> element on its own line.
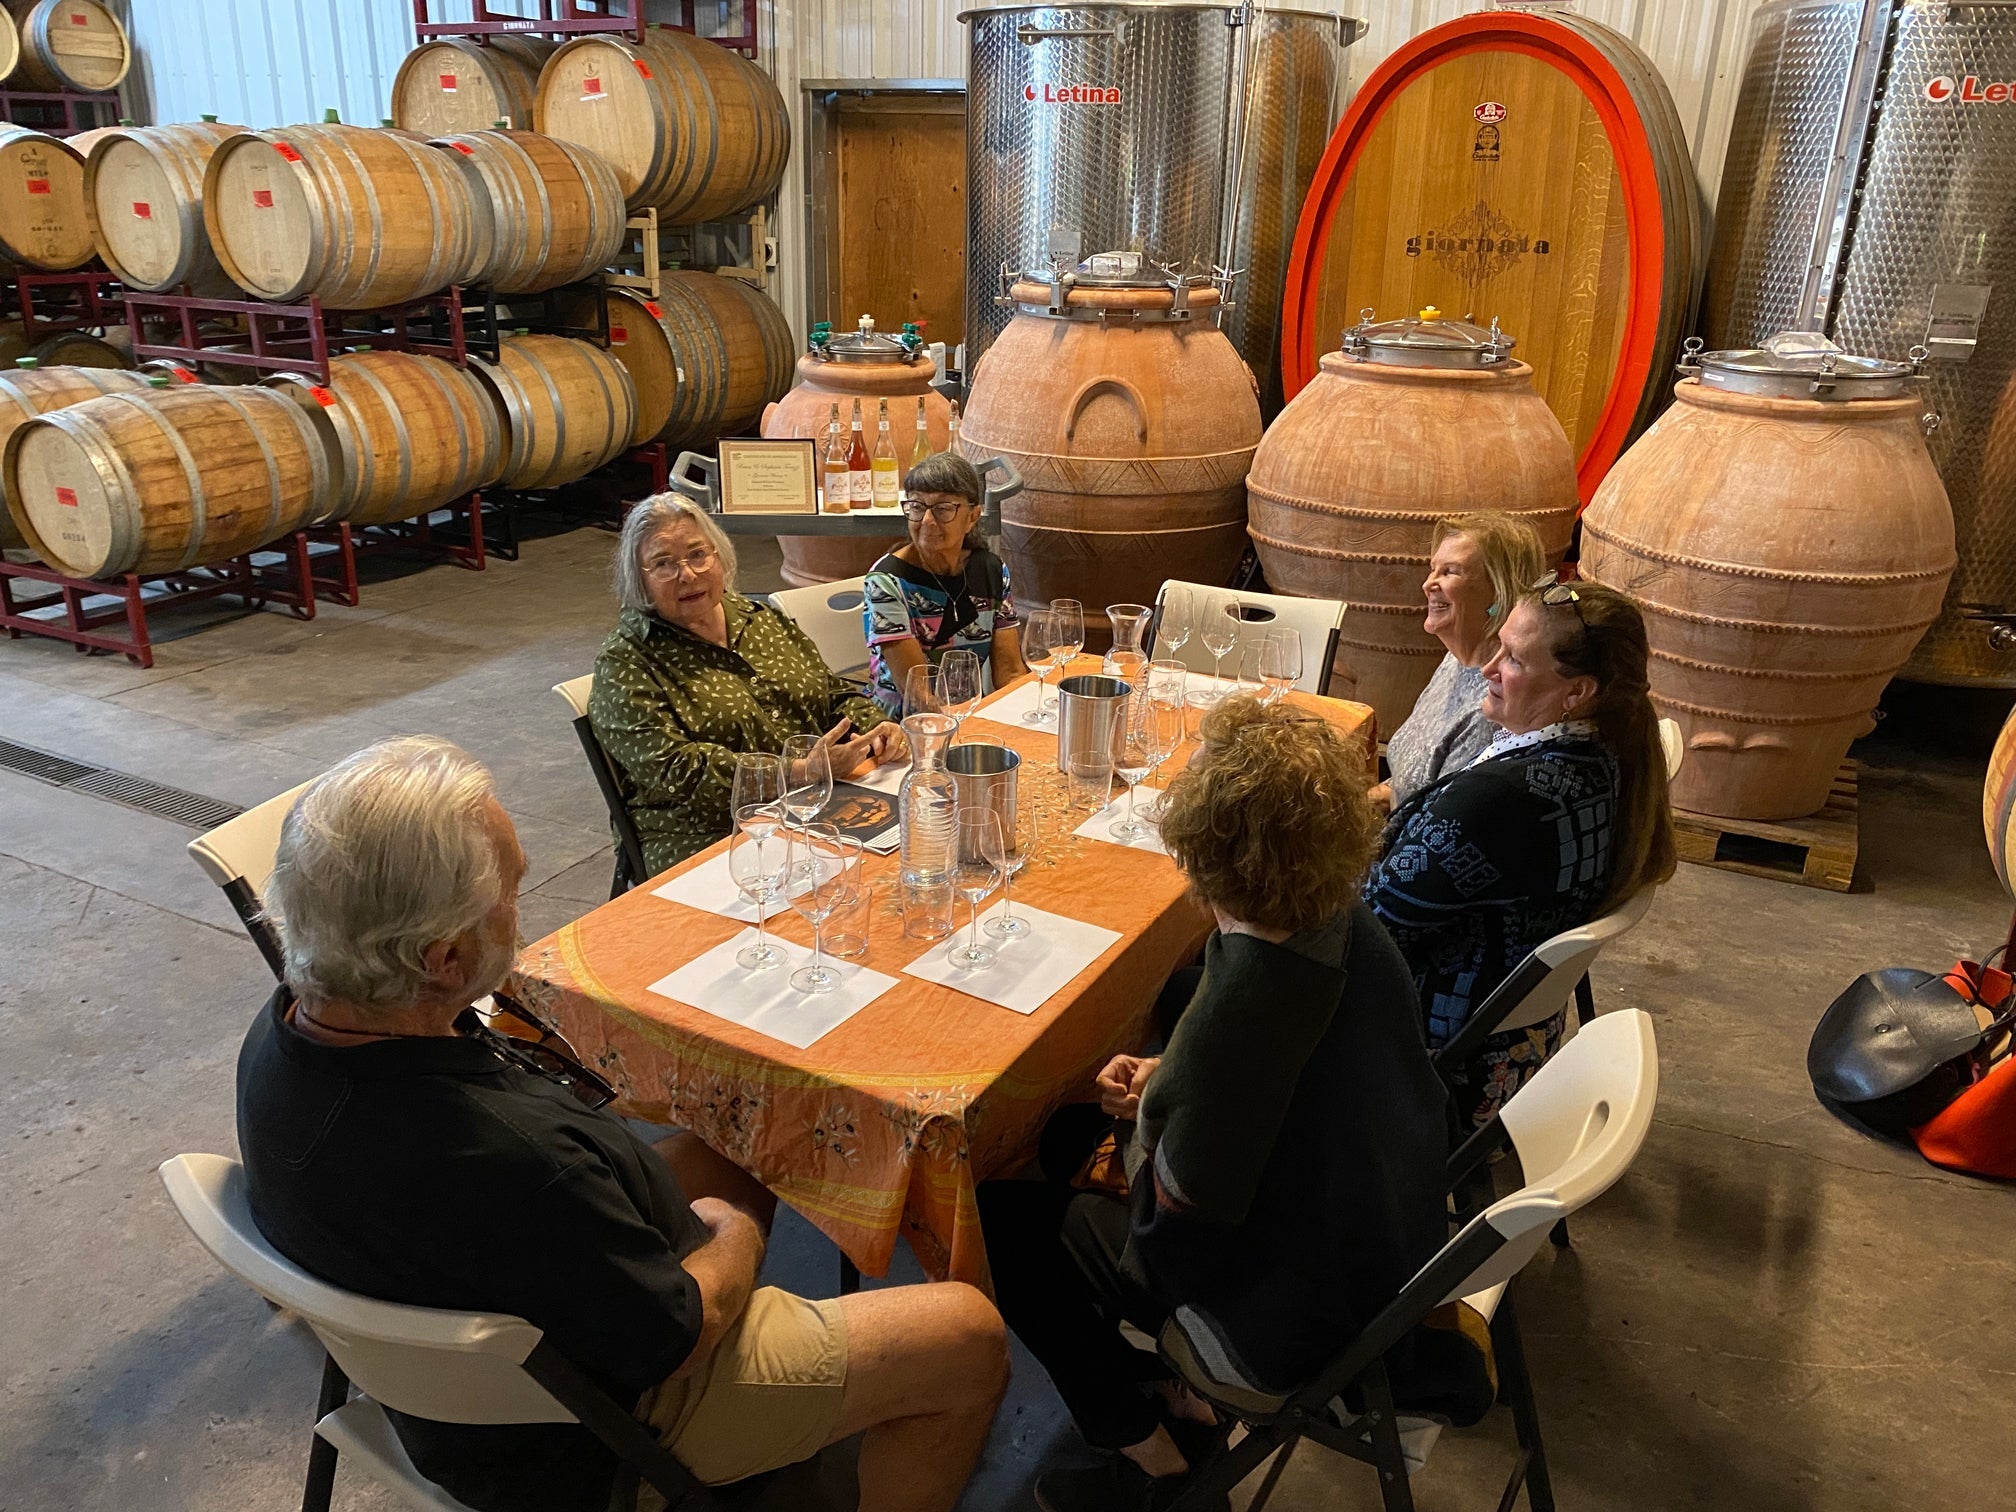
<point>844,753</point>
<point>1381,795</point>
<point>1122,1082</point>
<point>886,743</point>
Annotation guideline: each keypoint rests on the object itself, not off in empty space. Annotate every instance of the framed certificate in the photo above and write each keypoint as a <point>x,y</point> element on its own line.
<point>769,477</point>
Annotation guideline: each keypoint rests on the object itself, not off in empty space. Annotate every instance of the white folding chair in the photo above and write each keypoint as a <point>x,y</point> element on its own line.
<point>1576,1127</point>
<point>450,1367</point>
<point>830,615</point>
<point>1673,745</point>
<point>238,857</point>
<point>629,847</point>
<point>1319,620</point>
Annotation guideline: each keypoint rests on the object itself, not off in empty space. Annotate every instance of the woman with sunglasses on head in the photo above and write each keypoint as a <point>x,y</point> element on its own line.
<point>942,591</point>
<point>695,674</point>
<point>1560,819</point>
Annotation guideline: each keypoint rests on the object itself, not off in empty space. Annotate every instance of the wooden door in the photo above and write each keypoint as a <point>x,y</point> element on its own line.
<point>899,211</point>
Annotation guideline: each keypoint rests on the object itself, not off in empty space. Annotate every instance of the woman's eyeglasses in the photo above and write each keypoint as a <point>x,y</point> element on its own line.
<point>547,1054</point>
<point>1554,593</point>
<point>693,563</point>
<point>944,514</point>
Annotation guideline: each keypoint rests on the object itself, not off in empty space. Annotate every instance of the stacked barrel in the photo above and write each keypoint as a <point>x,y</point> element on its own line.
<point>112,471</point>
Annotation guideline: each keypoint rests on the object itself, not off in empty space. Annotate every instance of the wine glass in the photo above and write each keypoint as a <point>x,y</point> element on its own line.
<point>959,684</point>
<point>1018,841</point>
<point>1281,662</point>
<point>1133,758</point>
<point>1172,628</point>
<point>1067,625</point>
<point>1246,678</point>
<point>758,794</point>
<point>1091,774</point>
<point>1220,635</point>
<point>1037,632</point>
<point>757,863</point>
<point>977,869</point>
<point>923,691</point>
<point>808,778</point>
<point>825,871</point>
<point>1165,687</point>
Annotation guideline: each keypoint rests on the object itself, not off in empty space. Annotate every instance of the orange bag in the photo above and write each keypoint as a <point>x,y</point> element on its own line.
<point>1976,1132</point>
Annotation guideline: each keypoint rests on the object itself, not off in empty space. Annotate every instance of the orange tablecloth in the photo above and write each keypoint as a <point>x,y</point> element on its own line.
<point>887,1123</point>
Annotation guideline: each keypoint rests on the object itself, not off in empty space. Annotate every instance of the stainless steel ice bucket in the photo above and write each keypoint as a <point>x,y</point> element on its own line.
<point>1091,716</point>
<point>985,776</point>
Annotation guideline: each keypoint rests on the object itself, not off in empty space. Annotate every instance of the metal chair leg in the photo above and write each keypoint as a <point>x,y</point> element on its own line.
<point>1559,1234</point>
<point>1517,1386</point>
<point>321,1453</point>
<point>1388,1460</point>
<point>1585,1000</point>
<point>1273,1479</point>
<point>850,1277</point>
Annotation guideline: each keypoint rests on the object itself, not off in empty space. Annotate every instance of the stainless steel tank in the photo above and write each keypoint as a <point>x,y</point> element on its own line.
<point>1867,193</point>
<point>1184,131</point>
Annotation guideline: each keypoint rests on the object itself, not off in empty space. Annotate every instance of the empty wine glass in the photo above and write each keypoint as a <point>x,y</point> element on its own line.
<point>959,683</point>
<point>1163,723</point>
<point>1018,841</point>
<point>977,870</point>
<point>758,795</point>
<point>825,871</point>
<point>1091,774</point>
<point>1067,625</point>
<point>1165,687</point>
<point>808,778</point>
<point>1220,634</point>
<point>757,864</point>
<point>1133,757</point>
<point>1281,662</point>
<point>1246,681</point>
<point>1037,629</point>
<point>1173,624</point>
<point>923,691</point>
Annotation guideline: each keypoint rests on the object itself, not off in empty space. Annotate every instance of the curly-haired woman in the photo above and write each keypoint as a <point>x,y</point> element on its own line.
<point>1284,1167</point>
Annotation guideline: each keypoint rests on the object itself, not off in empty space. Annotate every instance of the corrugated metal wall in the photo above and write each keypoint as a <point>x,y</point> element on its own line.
<point>267,62</point>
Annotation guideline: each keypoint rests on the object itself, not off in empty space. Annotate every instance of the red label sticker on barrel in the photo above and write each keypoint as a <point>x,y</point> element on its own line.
<point>657,313</point>
<point>142,210</point>
<point>263,198</point>
<point>642,67</point>
<point>183,375</point>
<point>464,148</point>
<point>619,335</point>
<point>67,496</point>
<point>448,83</point>
<point>321,395</point>
<point>590,86</point>
<point>38,184</point>
<point>77,20</point>
<point>286,150</point>
<point>1489,113</point>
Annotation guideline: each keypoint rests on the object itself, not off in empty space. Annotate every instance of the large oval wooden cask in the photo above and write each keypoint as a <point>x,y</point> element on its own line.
<point>556,210</point>
<point>70,45</point>
<point>26,392</point>
<point>568,407</point>
<point>358,216</point>
<point>408,433</point>
<point>42,219</point>
<point>162,481</point>
<point>690,128</point>
<point>143,201</point>
<point>456,84</point>
<point>1352,475</point>
<point>1133,438</point>
<point>1788,554</point>
<point>1518,166</point>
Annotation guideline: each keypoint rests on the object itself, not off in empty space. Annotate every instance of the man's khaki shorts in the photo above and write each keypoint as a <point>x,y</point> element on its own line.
<point>768,1396</point>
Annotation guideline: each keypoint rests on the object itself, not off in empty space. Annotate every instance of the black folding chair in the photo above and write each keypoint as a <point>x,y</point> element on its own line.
<point>629,849</point>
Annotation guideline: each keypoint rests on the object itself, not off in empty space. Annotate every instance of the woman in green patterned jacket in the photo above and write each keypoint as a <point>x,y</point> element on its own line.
<point>695,675</point>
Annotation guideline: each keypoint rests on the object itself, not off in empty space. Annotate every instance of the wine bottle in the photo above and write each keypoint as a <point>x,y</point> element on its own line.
<point>838,487</point>
<point>923,447</point>
<point>883,478</point>
<point>860,480</point>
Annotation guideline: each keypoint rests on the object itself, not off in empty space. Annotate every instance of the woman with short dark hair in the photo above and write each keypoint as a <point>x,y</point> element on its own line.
<point>1284,1165</point>
<point>941,591</point>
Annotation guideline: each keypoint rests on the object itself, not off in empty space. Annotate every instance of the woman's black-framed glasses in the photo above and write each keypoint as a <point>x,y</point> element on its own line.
<point>1554,593</point>
<point>944,514</point>
<point>547,1054</point>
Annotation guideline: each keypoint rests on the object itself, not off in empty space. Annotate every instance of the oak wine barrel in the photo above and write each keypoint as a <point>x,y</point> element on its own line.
<point>568,407</point>
<point>26,392</point>
<point>70,45</point>
<point>1788,551</point>
<point>10,48</point>
<point>1133,436</point>
<point>1998,804</point>
<point>143,201</point>
<point>1521,167</point>
<point>79,349</point>
<point>407,432</point>
<point>459,84</point>
<point>735,352</point>
<point>691,129</point>
<point>637,340</point>
<point>556,209</point>
<point>1413,420</point>
<point>42,219</point>
<point>359,216</point>
<point>162,481</point>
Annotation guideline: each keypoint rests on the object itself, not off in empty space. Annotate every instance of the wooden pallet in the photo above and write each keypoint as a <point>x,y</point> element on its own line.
<point>1817,851</point>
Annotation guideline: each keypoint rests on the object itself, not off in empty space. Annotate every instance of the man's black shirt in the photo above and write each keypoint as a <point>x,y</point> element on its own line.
<point>431,1172</point>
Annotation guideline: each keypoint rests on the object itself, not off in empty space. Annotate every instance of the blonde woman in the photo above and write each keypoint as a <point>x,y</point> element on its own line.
<point>1481,564</point>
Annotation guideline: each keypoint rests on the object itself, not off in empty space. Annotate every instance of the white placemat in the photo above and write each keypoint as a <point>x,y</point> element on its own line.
<point>709,888</point>
<point>1099,826</point>
<point>765,1000</point>
<point>1027,972</point>
<point>1008,708</point>
<point>882,779</point>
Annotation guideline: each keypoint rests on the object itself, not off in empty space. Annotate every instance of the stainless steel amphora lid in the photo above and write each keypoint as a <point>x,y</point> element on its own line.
<point>1802,365</point>
<point>1430,339</point>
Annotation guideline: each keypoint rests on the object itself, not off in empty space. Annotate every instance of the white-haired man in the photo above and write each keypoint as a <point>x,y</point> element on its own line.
<point>401,1157</point>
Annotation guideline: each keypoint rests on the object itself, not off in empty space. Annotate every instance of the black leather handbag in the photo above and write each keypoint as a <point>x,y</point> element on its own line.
<point>1900,1044</point>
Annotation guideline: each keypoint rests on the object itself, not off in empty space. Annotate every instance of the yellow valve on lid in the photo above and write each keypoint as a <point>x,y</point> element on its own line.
<point>1429,312</point>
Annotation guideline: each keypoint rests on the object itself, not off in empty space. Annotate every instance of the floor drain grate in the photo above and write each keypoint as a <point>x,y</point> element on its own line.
<point>192,809</point>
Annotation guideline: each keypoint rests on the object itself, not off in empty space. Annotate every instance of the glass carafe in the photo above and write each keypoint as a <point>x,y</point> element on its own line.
<point>927,806</point>
<point>1128,661</point>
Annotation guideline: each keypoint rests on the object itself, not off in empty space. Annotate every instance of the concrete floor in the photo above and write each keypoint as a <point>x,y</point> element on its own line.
<point>1772,1312</point>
